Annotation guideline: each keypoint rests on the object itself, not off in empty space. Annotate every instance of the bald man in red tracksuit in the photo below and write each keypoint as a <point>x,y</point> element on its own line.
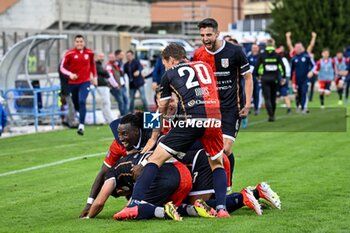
<point>78,64</point>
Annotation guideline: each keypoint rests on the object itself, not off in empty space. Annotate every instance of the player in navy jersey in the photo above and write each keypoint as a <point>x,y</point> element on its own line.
<point>133,137</point>
<point>171,186</point>
<point>230,67</point>
<point>195,86</point>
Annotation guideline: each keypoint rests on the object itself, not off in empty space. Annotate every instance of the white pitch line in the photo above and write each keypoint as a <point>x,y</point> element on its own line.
<point>51,164</point>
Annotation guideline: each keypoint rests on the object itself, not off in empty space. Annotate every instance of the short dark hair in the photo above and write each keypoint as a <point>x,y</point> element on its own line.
<point>325,49</point>
<point>117,52</point>
<point>208,22</point>
<point>227,36</point>
<point>130,51</point>
<point>79,36</point>
<point>135,120</point>
<point>175,51</point>
<point>233,40</point>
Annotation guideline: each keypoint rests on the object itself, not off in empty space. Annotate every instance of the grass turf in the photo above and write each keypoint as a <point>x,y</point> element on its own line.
<point>309,170</point>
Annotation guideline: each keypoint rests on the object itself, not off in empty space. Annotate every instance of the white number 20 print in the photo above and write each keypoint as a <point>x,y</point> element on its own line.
<point>202,72</point>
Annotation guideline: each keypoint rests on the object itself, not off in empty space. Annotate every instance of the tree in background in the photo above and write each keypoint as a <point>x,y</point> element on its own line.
<point>328,18</point>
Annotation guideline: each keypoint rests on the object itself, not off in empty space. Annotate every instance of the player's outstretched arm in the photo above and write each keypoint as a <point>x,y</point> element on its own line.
<point>101,199</point>
<point>95,189</point>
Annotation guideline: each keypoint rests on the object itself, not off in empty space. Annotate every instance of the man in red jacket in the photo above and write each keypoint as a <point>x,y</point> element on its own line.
<point>78,64</point>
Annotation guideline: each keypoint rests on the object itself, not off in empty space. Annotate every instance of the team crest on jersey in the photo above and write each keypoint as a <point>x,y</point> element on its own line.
<point>303,59</point>
<point>76,56</point>
<point>224,62</point>
<point>86,56</point>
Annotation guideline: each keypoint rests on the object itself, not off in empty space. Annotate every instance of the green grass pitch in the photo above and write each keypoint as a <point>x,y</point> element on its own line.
<point>309,170</point>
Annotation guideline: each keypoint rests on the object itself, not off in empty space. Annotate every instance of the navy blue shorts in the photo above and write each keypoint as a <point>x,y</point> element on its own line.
<point>284,90</point>
<point>230,124</point>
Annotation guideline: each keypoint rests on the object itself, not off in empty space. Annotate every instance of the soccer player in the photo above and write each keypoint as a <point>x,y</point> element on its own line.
<point>134,137</point>
<point>195,86</point>
<point>78,64</point>
<point>230,67</point>
<point>301,70</point>
<point>171,186</point>
<point>271,70</point>
<point>340,65</point>
<point>326,72</point>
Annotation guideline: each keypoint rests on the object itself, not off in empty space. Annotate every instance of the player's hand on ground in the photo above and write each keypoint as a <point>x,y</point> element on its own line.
<point>149,145</point>
<point>244,112</point>
<point>85,211</point>
<point>73,76</point>
<point>136,171</point>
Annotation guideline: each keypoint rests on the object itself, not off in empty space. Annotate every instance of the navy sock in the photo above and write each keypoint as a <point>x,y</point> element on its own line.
<point>144,181</point>
<point>256,194</point>
<point>182,210</point>
<point>220,186</point>
<point>234,201</point>
<point>146,211</point>
<point>231,158</point>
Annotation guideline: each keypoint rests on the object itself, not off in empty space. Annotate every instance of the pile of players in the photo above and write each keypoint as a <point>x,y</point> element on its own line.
<point>184,171</point>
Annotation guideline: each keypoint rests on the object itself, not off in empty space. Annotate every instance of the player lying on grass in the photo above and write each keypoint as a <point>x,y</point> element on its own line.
<point>137,140</point>
<point>202,189</point>
<point>170,187</point>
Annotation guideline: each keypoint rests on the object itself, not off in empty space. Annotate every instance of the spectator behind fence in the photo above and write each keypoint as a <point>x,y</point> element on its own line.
<point>104,80</point>
<point>133,69</point>
<point>114,71</point>
<point>78,64</point>
<point>122,95</point>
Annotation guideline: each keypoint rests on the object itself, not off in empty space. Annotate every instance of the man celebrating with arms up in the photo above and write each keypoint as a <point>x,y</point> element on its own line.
<point>195,86</point>
<point>77,64</point>
<point>229,65</point>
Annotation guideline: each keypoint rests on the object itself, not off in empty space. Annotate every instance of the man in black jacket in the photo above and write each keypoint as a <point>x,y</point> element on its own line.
<point>133,69</point>
<point>271,71</point>
<point>103,88</point>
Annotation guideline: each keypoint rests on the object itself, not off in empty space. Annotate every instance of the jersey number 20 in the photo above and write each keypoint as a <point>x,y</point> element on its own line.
<point>202,73</point>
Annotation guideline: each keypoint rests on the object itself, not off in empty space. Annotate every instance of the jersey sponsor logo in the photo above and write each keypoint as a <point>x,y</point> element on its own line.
<point>86,56</point>
<point>151,120</point>
<point>222,73</point>
<point>224,62</point>
<point>202,91</point>
<point>201,102</point>
<point>191,103</point>
<point>76,57</point>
